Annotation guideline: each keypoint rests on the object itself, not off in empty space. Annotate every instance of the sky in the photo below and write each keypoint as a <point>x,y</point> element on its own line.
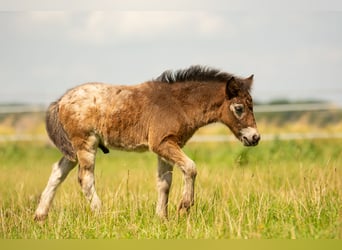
<point>293,54</point>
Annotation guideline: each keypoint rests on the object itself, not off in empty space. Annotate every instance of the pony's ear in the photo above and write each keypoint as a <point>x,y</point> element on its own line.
<point>232,88</point>
<point>248,82</point>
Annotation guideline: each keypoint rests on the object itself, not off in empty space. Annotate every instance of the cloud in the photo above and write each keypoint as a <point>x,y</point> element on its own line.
<point>297,50</point>
<point>48,17</point>
<point>86,5</point>
<point>117,27</point>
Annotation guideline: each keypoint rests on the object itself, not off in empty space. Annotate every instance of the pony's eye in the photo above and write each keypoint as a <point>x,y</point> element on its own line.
<point>239,109</point>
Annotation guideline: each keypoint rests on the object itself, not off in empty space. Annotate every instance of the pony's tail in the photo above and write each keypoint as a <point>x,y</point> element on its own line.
<point>57,133</point>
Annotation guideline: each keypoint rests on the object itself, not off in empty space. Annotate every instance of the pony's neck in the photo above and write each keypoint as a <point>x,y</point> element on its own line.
<point>202,101</point>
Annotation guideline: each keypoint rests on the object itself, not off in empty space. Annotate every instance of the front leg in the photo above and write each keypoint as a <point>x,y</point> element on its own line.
<point>189,175</point>
<point>172,153</point>
<point>164,180</point>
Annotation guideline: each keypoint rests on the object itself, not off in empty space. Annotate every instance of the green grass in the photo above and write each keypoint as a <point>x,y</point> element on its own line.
<point>280,189</point>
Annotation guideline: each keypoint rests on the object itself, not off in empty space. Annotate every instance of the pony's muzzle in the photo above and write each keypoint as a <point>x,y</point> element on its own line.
<point>249,136</point>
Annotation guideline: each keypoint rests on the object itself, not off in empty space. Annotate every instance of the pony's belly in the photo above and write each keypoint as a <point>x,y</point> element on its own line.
<point>141,147</point>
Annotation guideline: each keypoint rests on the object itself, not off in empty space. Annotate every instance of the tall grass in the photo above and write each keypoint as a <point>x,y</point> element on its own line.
<point>280,189</point>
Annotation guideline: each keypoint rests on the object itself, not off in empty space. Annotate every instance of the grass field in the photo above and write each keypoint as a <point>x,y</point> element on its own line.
<point>280,189</point>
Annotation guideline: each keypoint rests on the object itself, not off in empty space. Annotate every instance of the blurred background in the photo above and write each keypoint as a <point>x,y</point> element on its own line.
<point>296,57</point>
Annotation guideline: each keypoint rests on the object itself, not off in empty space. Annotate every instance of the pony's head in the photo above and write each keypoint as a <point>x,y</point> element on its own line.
<point>237,111</point>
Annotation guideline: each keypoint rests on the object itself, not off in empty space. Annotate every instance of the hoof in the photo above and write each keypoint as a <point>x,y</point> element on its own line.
<point>162,215</point>
<point>40,217</point>
<point>184,208</point>
<point>163,218</point>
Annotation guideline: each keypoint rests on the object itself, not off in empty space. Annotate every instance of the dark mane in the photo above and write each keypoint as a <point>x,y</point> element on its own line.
<point>196,73</point>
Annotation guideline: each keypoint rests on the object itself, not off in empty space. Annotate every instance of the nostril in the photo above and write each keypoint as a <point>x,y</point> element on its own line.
<point>256,138</point>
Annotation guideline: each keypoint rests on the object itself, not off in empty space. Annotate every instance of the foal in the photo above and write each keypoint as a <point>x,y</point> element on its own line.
<point>159,115</point>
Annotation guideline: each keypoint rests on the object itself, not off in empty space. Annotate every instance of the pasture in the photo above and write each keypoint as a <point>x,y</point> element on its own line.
<point>280,190</point>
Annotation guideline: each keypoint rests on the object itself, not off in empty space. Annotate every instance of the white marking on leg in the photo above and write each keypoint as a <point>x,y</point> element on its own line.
<point>86,177</point>
<point>88,188</point>
<point>59,172</point>
<point>189,174</point>
<point>164,180</point>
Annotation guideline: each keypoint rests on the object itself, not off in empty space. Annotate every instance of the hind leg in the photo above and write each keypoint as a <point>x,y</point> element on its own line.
<point>60,170</point>
<point>86,159</point>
